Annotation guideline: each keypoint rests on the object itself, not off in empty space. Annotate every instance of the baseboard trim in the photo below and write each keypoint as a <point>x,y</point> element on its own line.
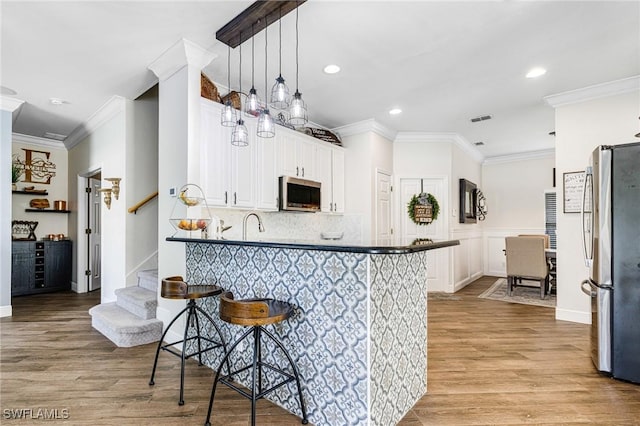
<point>6,311</point>
<point>573,316</point>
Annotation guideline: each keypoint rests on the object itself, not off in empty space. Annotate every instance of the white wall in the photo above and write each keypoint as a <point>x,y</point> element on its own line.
<point>48,223</point>
<point>580,128</point>
<point>142,180</point>
<point>357,182</point>
<point>5,210</point>
<point>104,148</point>
<point>514,187</point>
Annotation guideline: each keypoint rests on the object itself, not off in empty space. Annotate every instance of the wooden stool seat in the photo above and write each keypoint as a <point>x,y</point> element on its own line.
<point>256,313</point>
<point>176,288</point>
<point>253,312</point>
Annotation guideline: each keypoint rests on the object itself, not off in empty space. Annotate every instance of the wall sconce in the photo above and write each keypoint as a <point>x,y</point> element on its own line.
<point>115,186</point>
<point>107,196</point>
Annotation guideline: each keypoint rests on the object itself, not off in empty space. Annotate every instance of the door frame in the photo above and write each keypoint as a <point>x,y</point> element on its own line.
<point>82,281</point>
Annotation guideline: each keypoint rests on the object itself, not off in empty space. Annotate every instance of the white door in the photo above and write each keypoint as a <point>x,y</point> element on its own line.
<point>93,234</point>
<point>437,260</point>
<point>383,205</point>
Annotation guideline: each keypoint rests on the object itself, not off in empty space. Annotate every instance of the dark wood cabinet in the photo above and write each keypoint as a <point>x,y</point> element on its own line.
<point>40,266</point>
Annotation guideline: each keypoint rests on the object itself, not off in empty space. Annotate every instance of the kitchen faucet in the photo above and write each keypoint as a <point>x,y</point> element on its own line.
<point>244,224</point>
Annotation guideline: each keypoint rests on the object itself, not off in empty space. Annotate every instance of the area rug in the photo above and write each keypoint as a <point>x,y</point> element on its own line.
<point>524,295</point>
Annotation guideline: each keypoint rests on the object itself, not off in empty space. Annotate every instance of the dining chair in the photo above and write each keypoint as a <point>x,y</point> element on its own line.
<point>526,259</point>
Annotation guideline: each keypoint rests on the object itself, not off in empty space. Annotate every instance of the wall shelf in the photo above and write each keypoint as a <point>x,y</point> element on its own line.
<point>46,211</point>
<point>30,192</point>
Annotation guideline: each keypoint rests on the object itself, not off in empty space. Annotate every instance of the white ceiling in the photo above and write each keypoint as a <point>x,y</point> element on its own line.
<point>442,62</point>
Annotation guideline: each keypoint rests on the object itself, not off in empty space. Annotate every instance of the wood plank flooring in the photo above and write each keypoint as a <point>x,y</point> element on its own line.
<point>489,362</point>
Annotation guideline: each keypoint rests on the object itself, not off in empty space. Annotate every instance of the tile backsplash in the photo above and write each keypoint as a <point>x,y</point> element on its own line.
<point>287,225</point>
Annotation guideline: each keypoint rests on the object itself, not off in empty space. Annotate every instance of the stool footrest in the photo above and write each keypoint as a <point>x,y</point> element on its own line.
<point>168,347</point>
<point>226,380</point>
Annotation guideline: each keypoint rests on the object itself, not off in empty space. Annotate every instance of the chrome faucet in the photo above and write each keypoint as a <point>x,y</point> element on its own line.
<point>244,224</point>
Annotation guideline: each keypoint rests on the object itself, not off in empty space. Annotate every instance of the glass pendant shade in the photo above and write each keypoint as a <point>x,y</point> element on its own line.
<point>266,125</point>
<point>252,104</point>
<point>280,94</point>
<point>298,110</point>
<point>228,116</point>
<point>240,134</point>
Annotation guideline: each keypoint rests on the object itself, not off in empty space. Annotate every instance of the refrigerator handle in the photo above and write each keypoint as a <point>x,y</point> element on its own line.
<point>588,290</point>
<point>588,173</point>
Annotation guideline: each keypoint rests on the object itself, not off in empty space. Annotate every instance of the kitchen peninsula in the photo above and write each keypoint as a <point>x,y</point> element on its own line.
<point>359,332</point>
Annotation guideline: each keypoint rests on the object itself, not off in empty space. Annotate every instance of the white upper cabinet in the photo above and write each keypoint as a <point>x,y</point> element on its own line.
<point>296,154</point>
<point>247,177</point>
<point>330,167</point>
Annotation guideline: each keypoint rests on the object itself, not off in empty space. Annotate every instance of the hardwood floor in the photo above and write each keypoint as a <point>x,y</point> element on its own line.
<point>490,362</point>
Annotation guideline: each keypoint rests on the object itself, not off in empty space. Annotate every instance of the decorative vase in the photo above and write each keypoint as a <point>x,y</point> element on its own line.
<point>14,187</point>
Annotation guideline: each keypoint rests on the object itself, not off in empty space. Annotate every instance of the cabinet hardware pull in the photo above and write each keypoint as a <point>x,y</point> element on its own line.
<point>225,197</point>
<point>303,172</point>
<point>330,207</point>
<point>297,171</point>
<point>235,199</point>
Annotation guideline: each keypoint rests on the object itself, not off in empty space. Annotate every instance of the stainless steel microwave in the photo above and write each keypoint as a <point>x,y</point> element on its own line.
<point>300,195</point>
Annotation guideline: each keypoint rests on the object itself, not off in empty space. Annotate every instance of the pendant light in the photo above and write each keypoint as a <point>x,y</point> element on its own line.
<point>228,117</point>
<point>252,105</point>
<point>297,107</point>
<point>240,135</point>
<point>280,90</point>
<point>266,125</point>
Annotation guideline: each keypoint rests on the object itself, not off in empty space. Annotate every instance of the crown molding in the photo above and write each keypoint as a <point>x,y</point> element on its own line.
<point>106,112</point>
<point>10,104</point>
<point>449,137</point>
<point>182,53</point>
<point>596,91</point>
<point>370,125</point>
<point>521,156</point>
<point>37,141</point>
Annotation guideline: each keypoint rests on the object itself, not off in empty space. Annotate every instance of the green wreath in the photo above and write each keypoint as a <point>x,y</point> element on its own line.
<point>423,199</point>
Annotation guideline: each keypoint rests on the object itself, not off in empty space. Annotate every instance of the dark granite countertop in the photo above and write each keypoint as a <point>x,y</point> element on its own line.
<point>390,246</point>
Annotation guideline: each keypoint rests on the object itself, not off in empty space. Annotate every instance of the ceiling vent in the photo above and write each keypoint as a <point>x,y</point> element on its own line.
<point>481,118</point>
<point>479,143</point>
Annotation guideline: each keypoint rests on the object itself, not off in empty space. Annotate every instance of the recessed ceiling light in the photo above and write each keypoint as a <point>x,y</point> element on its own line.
<point>331,69</point>
<point>57,101</point>
<point>536,72</point>
<point>395,111</point>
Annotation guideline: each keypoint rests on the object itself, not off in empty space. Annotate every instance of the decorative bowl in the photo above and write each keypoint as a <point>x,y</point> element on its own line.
<point>190,224</point>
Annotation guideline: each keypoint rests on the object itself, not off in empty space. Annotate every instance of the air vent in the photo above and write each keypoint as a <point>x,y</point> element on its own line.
<point>481,118</point>
<point>55,136</point>
<point>479,143</point>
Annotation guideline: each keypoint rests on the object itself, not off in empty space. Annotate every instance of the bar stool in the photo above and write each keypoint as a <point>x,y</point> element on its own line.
<point>255,313</point>
<point>176,288</point>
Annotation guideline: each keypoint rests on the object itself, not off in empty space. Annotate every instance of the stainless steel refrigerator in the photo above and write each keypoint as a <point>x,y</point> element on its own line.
<point>611,237</point>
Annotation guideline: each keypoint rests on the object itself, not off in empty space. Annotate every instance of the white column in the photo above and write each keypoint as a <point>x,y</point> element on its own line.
<point>7,106</point>
<point>178,70</point>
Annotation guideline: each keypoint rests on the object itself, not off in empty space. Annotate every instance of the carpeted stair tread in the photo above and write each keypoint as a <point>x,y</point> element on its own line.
<point>122,321</point>
<point>148,279</point>
<point>138,300</point>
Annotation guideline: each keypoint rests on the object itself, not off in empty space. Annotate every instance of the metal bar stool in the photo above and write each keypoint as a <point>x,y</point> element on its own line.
<point>255,313</point>
<point>176,288</point>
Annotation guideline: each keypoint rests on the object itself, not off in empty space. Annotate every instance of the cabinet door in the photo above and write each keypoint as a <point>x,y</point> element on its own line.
<point>323,175</point>
<point>57,264</point>
<point>305,154</point>
<point>337,179</point>
<point>287,160</point>
<point>267,177</point>
<point>22,267</point>
<point>214,156</point>
<point>243,173</point>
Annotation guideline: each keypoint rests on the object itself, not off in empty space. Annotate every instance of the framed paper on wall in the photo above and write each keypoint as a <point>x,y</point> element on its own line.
<point>572,183</point>
<point>467,201</point>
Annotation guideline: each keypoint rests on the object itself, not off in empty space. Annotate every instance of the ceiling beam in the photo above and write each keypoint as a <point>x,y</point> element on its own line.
<point>252,20</point>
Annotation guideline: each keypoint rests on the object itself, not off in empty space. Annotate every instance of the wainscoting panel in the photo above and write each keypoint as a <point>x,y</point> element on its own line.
<point>467,258</point>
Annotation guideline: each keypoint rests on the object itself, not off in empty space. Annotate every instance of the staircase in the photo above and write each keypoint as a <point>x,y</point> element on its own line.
<point>131,319</point>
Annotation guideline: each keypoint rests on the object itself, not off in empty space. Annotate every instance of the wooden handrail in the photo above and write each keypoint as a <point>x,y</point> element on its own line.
<point>148,198</point>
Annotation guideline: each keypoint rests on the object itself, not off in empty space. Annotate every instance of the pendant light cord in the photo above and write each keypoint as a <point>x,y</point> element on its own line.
<point>280,35</point>
<point>252,55</point>
<point>297,5</point>
<point>266,51</point>
<point>229,68</point>
<point>240,73</point>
